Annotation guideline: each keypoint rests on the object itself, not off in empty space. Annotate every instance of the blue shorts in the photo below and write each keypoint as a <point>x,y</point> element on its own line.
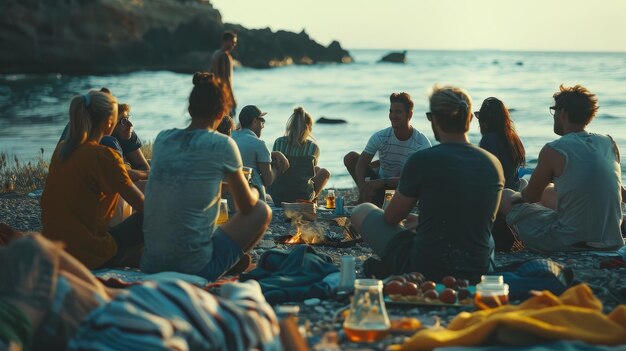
<point>226,253</point>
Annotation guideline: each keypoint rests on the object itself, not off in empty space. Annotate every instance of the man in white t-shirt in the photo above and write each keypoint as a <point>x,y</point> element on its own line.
<point>394,145</point>
<point>266,165</point>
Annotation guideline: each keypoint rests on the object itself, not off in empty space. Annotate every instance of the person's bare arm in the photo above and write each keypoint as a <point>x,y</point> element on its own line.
<point>549,165</point>
<point>361,167</point>
<point>245,198</point>
<point>133,196</point>
<point>136,175</point>
<point>267,174</point>
<point>138,160</point>
<point>399,208</point>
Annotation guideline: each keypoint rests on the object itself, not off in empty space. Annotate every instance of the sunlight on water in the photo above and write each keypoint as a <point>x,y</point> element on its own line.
<point>33,108</point>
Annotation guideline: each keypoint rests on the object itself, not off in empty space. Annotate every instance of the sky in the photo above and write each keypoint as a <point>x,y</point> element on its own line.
<point>536,25</point>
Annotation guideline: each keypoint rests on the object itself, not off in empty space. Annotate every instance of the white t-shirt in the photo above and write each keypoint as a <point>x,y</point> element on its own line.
<point>253,151</point>
<point>182,198</point>
<point>393,152</point>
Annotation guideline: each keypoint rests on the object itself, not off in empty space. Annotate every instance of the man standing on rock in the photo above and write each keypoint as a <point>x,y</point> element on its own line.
<point>394,145</point>
<point>581,210</point>
<point>222,64</point>
<point>458,186</point>
<point>266,165</point>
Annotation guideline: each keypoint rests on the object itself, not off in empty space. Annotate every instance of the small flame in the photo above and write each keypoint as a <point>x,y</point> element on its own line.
<point>309,233</point>
<point>295,239</point>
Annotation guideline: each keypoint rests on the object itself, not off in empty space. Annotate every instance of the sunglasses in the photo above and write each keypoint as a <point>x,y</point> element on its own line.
<point>125,121</point>
<point>429,116</point>
<point>553,110</point>
<point>262,120</point>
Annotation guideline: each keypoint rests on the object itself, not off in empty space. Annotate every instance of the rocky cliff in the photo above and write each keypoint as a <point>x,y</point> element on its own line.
<point>109,36</point>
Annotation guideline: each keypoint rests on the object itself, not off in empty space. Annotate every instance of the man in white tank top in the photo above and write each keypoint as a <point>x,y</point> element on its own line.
<point>573,199</point>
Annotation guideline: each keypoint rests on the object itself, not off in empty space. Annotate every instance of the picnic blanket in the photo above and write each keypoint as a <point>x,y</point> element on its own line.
<point>575,315</point>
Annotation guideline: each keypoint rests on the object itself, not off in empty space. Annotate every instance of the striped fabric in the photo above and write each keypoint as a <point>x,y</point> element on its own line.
<point>393,152</point>
<point>175,315</point>
<point>309,148</point>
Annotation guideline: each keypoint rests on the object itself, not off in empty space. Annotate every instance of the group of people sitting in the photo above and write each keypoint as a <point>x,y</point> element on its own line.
<point>571,202</point>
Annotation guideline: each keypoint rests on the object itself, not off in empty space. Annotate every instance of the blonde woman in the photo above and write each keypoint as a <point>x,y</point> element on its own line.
<point>84,183</point>
<point>304,180</point>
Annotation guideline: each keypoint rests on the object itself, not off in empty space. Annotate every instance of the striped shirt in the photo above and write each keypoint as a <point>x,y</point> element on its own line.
<point>309,148</point>
<point>393,152</point>
<point>174,315</point>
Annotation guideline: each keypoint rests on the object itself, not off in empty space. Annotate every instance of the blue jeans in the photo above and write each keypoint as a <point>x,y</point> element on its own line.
<point>226,253</point>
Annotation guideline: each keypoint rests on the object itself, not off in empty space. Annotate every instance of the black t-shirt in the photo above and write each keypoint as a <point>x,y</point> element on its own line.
<point>458,187</point>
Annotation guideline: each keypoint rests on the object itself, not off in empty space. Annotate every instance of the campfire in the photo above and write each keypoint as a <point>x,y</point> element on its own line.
<point>335,232</point>
<point>306,233</point>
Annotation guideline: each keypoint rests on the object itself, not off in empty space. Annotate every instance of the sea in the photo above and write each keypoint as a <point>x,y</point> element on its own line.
<point>34,108</point>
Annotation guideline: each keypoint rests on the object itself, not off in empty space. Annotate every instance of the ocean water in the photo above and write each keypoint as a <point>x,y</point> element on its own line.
<point>33,108</point>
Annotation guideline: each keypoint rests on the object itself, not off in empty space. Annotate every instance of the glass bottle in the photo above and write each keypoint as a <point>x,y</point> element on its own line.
<point>388,196</point>
<point>367,320</point>
<point>223,212</point>
<point>491,292</point>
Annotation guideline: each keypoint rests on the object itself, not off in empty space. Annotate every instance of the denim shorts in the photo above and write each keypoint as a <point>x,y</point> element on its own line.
<point>226,253</point>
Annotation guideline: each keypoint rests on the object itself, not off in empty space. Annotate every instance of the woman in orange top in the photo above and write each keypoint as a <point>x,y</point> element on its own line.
<point>83,186</point>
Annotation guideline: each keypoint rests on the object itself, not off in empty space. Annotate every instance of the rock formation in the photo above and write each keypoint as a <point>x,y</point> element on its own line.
<point>324,120</point>
<point>110,36</point>
<point>395,57</point>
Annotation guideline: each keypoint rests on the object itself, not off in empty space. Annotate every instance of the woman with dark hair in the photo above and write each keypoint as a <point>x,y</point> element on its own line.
<point>183,194</point>
<point>304,180</point>
<point>500,138</point>
<point>84,185</point>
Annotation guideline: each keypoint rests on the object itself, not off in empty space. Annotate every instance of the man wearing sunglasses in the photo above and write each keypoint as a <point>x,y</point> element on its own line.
<point>573,199</point>
<point>266,165</point>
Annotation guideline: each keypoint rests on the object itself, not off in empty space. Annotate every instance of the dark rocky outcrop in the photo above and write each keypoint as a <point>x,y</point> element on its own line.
<point>324,120</point>
<point>395,57</point>
<point>109,36</point>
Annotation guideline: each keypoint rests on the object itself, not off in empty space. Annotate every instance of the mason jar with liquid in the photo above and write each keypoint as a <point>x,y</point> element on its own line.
<point>491,292</point>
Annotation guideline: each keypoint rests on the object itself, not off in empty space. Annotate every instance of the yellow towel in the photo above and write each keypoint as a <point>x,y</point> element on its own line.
<point>575,315</point>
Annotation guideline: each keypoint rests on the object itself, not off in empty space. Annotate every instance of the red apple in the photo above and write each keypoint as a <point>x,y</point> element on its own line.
<point>428,285</point>
<point>464,294</point>
<point>394,287</point>
<point>449,282</point>
<point>409,289</point>
<point>447,295</point>
<point>397,278</point>
<point>431,294</point>
<point>462,283</point>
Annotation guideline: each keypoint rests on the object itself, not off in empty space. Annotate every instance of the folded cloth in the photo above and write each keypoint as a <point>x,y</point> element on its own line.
<point>174,315</point>
<point>535,274</point>
<point>293,275</point>
<point>575,315</point>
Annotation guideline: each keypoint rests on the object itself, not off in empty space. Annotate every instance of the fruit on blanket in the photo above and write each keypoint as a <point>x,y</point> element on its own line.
<point>415,277</point>
<point>463,294</point>
<point>428,285</point>
<point>398,278</point>
<point>393,287</point>
<point>449,282</point>
<point>447,295</point>
<point>462,283</point>
<point>431,294</point>
<point>409,289</point>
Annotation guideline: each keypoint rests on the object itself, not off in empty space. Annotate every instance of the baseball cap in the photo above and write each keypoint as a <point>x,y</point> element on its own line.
<point>249,113</point>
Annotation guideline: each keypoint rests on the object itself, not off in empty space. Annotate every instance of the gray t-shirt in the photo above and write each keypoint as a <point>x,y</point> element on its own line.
<point>393,152</point>
<point>459,188</point>
<point>253,151</point>
<point>182,198</point>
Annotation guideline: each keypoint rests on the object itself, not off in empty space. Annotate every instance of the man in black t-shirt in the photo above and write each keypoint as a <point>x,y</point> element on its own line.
<point>458,186</point>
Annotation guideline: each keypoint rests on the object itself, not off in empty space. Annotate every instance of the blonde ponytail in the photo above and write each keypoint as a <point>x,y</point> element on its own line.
<point>298,126</point>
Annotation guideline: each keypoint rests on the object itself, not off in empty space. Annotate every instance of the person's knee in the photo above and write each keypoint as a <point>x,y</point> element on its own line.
<point>324,173</point>
<point>505,201</point>
<point>359,214</point>
<point>350,159</point>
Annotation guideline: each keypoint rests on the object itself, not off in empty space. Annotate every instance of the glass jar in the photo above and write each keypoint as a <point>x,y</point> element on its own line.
<point>491,292</point>
<point>367,320</point>
<point>388,196</point>
<point>330,199</point>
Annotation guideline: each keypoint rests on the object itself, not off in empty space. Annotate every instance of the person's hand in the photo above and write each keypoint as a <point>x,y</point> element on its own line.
<point>368,189</point>
<point>279,161</point>
<point>411,221</point>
